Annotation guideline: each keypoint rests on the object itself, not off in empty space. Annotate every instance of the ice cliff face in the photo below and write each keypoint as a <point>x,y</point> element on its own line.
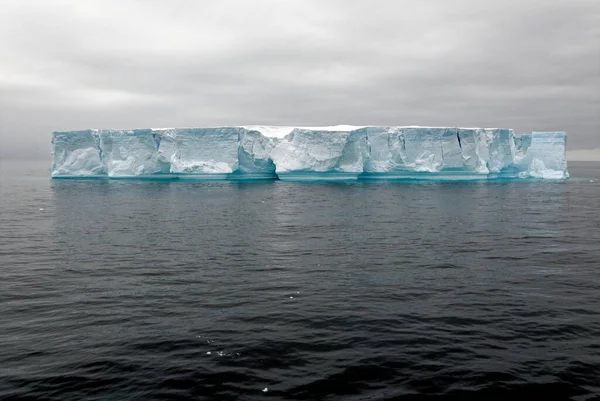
<point>76,154</point>
<point>342,152</point>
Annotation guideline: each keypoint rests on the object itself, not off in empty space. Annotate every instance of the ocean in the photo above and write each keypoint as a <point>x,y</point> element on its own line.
<point>164,290</point>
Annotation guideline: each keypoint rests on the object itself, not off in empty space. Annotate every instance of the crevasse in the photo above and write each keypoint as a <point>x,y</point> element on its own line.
<point>314,153</point>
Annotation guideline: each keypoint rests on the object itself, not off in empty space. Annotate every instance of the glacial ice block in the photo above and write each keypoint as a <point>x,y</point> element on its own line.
<point>202,151</point>
<point>304,153</point>
<point>222,153</point>
<point>76,154</point>
<point>542,155</point>
<point>317,153</point>
<point>129,153</point>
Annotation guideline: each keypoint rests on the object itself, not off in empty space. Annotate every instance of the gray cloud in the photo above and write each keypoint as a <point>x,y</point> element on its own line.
<point>72,64</point>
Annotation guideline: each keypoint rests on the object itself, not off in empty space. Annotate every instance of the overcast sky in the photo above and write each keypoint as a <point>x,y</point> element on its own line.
<point>75,64</point>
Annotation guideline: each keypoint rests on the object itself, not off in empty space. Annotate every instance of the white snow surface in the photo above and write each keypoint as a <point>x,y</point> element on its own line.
<point>274,131</point>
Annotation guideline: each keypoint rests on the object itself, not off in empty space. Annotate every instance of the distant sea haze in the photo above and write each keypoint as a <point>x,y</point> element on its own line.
<point>583,154</point>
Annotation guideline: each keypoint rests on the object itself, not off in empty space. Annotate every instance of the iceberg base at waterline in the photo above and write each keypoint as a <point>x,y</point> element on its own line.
<point>336,153</point>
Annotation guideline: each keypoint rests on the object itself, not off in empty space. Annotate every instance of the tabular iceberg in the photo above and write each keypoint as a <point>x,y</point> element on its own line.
<point>314,153</point>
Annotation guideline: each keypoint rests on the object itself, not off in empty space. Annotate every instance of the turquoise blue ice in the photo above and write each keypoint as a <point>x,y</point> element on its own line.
<point>324,153</point>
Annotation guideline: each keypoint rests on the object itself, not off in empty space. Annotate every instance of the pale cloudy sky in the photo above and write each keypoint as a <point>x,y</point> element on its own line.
<point>75,64</point>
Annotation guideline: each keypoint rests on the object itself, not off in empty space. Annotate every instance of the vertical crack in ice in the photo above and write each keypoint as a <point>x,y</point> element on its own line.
<point>96,136</point>
<point>462,154</point>
<point>157,139</point>
<point>403,156</point>
<point>403,141</point>
<point>441,142</point>
<point>239,151</point>
<point>367,158</point>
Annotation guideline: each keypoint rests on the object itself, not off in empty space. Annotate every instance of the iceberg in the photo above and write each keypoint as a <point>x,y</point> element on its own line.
<point>340,152</point>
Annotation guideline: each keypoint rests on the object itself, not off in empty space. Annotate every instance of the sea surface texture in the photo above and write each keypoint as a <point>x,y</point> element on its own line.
<point>150,290</point>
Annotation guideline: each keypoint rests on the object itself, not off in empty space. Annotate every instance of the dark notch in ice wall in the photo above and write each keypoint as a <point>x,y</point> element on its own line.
<point>342,152</point>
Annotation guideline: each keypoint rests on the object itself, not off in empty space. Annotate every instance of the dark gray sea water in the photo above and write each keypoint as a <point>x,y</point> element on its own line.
<point>140,290</point>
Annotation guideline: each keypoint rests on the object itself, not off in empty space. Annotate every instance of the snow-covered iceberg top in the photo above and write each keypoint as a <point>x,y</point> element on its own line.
<point>310,153</point>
